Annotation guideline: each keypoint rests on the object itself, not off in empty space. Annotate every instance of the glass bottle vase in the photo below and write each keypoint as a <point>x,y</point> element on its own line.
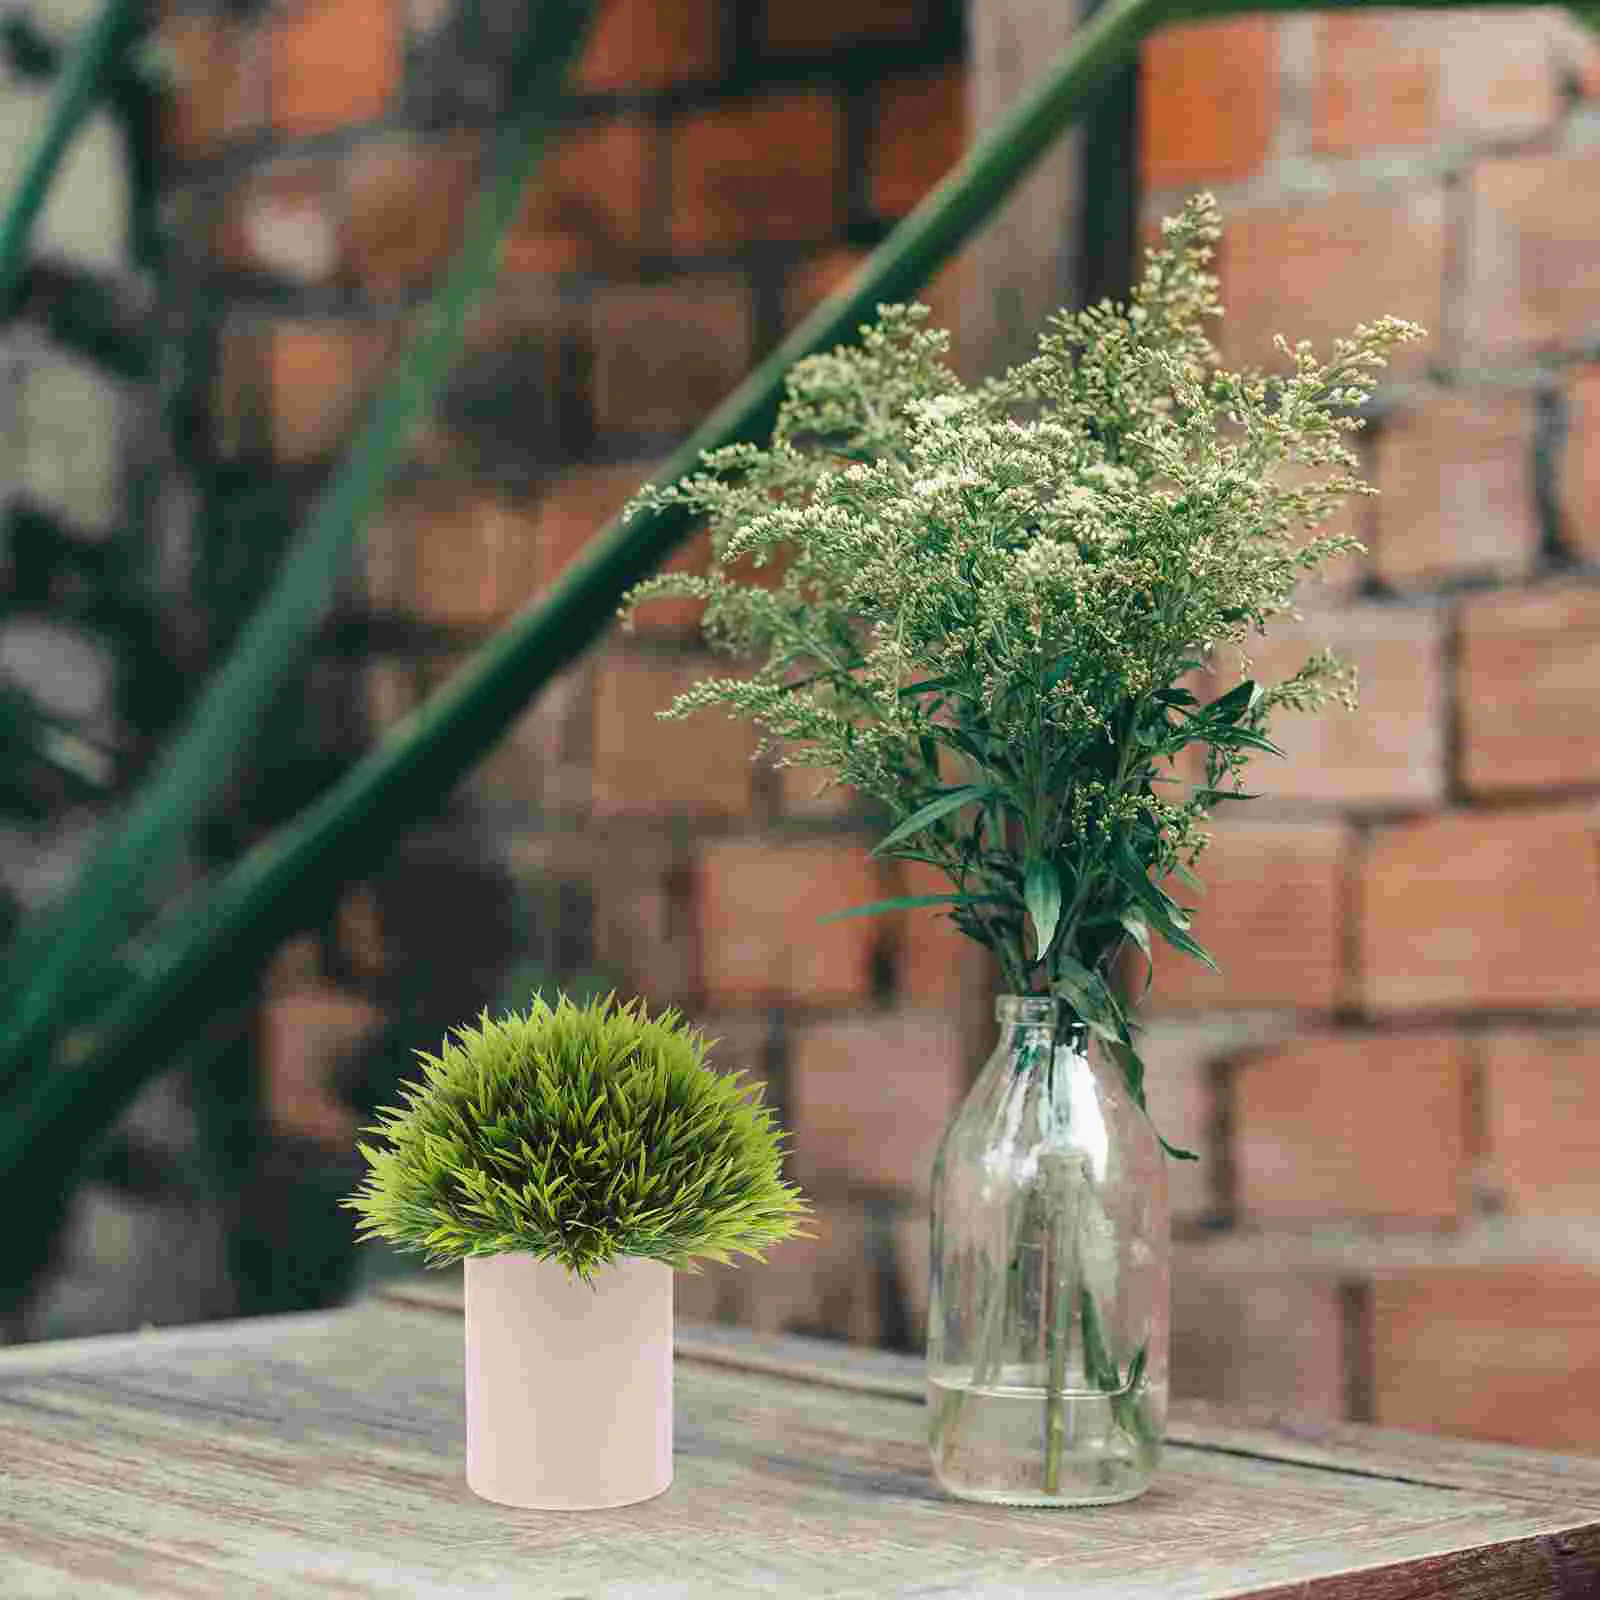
<point>1049,1302</point>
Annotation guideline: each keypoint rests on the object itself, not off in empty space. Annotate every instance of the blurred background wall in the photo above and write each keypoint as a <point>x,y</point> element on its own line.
<point>1395,1083</point>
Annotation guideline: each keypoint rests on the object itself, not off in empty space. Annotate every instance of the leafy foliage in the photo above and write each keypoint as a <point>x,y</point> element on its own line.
<point>579,1134</point>
<point>981,605</point>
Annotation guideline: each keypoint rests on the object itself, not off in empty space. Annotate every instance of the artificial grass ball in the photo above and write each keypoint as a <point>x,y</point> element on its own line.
<point>578,1134</point>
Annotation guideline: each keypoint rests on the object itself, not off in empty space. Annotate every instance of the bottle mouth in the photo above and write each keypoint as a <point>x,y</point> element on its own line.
<point>1027,1010</point>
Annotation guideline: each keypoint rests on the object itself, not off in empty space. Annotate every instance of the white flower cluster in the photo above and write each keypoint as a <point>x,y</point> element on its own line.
<point>1015,581</point>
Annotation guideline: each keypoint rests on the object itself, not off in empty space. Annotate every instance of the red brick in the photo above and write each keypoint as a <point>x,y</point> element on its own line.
<point>319,377</point>
<point>303,1036</point>
<point>1580,466</point>
<point>1542,1104</point>
<point>542,766</point>
<point>284,222</point>
<point>1391,750</point>
<point>1352,1126</point>
<point>390,690</point>
<point>823,1285</point>
<point>757,909</point>
<point>801,794</point>
<point>644,930</point>
<point>760,169</point>
<point>575,507</point>
<point>666,354</point>
<point>585,205</point>
<point>1270,1340</point>
<point>913,1257</point>
<point>1316,269</point>
<point>1457,496</point>
<point>651,43</point>
<point>1183,1060</point>
<point>1579,51</point>
<point>405,208</point>
<point>334,63</point>
<point>869,1098</point>
<point>1503,73</point>
<point>295,965</point>
<point>1482,909</point>
<point>936,966</point>
<point>919,134</point>
<point>1503,1353</point>
<point>358,924</point>
<point>1533,274</point>
<point>221,75</point>
<point>1529,668</point>
<point>1210,102</point>
<point>511,392</point>
<point>1377,84</point>
<point>832,25</point>
<point>453,555</point>
<point>646,767</point>
<point>1397,79</point>
<point>1269,915</point>
<point>814,279</point>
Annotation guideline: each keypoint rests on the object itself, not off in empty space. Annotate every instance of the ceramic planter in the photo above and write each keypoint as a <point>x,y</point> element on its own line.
<point>569,1384</point>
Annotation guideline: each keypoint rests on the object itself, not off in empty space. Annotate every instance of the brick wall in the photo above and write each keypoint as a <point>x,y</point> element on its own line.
<point>1398,1073</point>
<point>722,169</point>
<point>1397,1215</point>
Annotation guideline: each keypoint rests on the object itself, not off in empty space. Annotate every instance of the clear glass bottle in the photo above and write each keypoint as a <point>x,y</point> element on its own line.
<point>1048,1308</point>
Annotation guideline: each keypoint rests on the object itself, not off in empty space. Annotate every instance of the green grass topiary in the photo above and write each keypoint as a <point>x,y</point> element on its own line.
<point>578,1134</point>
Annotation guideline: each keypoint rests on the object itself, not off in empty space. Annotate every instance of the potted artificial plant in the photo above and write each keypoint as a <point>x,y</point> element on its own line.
<point>572,1157</point>
<point>998,613</point>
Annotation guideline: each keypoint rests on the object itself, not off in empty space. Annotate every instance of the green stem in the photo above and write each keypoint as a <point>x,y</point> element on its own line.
<point>85,81</point>
<point>947,1422</point>
<point>1060,1329</point>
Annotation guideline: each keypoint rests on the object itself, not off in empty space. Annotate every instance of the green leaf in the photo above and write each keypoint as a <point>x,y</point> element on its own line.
<point>1101,1368</point>
<point>1138,930</point>
<point>1041,893</point>
<point>1132,1064</point>
<point>1187,878</point>
<point>1209,797</point>
<point>909,902</point>
<point>1249,740</point>
<point>1235,703</point>
<point>1088,996</point>
<point>1166,916</point>
<point>1137,1365</point>
<point>924,816</point>
<point>1128,1058</point>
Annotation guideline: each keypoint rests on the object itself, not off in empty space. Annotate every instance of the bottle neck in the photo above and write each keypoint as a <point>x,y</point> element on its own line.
<point>1041,1015</point>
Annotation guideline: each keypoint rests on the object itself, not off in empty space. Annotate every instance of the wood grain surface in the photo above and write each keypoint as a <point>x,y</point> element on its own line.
<point>322,1455</point>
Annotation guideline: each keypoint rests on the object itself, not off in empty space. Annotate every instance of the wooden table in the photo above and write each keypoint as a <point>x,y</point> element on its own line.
<point>322,1455</point>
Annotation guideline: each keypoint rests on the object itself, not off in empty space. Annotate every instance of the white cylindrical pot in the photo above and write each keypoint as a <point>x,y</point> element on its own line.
<point>569,1385</point>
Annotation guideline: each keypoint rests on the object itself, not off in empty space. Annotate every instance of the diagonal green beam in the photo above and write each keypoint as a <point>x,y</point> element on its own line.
<point>84,80</point>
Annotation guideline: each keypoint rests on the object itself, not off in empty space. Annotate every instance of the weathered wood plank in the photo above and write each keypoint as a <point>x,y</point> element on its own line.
<point>1506,1470</point>
<point>323,1455</point>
